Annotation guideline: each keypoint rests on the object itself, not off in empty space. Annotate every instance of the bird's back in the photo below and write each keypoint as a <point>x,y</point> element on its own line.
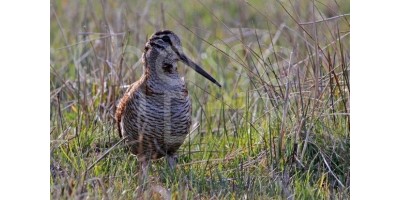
<point>154,120</point>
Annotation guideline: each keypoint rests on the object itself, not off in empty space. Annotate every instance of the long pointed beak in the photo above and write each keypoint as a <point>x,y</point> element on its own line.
<point>197,68</point>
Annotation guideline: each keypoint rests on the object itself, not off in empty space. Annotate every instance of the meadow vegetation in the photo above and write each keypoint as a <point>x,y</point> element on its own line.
<point>279,128</point>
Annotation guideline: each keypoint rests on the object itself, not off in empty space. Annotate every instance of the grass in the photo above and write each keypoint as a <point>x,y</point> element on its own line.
<point>279,128</point>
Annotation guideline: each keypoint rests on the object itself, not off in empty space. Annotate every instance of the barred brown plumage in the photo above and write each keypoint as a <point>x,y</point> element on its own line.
<point>155,112</point>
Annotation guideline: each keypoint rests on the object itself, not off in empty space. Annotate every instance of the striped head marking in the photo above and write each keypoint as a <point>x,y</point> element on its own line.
<point>164,49</point>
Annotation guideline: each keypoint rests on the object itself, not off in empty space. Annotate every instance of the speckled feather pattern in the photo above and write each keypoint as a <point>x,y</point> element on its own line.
<point>155,122</point>
<point>155,116</point>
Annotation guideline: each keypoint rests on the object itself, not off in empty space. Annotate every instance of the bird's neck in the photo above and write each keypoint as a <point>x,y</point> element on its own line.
<point>158,78</point>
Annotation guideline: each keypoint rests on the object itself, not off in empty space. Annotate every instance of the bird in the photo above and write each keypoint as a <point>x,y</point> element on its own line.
<point>154,114</point>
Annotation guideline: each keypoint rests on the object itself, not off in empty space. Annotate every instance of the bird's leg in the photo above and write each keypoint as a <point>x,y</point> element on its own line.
<point>172,159</point>
<point>171,162</point>
<point>143,173</point>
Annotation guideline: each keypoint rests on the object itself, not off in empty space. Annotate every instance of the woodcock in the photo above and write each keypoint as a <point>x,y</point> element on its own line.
<point>154,115</point>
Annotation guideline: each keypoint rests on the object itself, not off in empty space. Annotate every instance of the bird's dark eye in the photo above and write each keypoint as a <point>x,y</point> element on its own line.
<point>167,40</point>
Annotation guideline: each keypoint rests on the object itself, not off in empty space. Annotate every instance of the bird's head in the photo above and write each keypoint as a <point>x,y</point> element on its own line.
<point>163,51</point>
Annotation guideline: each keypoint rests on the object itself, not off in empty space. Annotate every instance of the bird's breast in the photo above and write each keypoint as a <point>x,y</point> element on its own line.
<point>161,119</point>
